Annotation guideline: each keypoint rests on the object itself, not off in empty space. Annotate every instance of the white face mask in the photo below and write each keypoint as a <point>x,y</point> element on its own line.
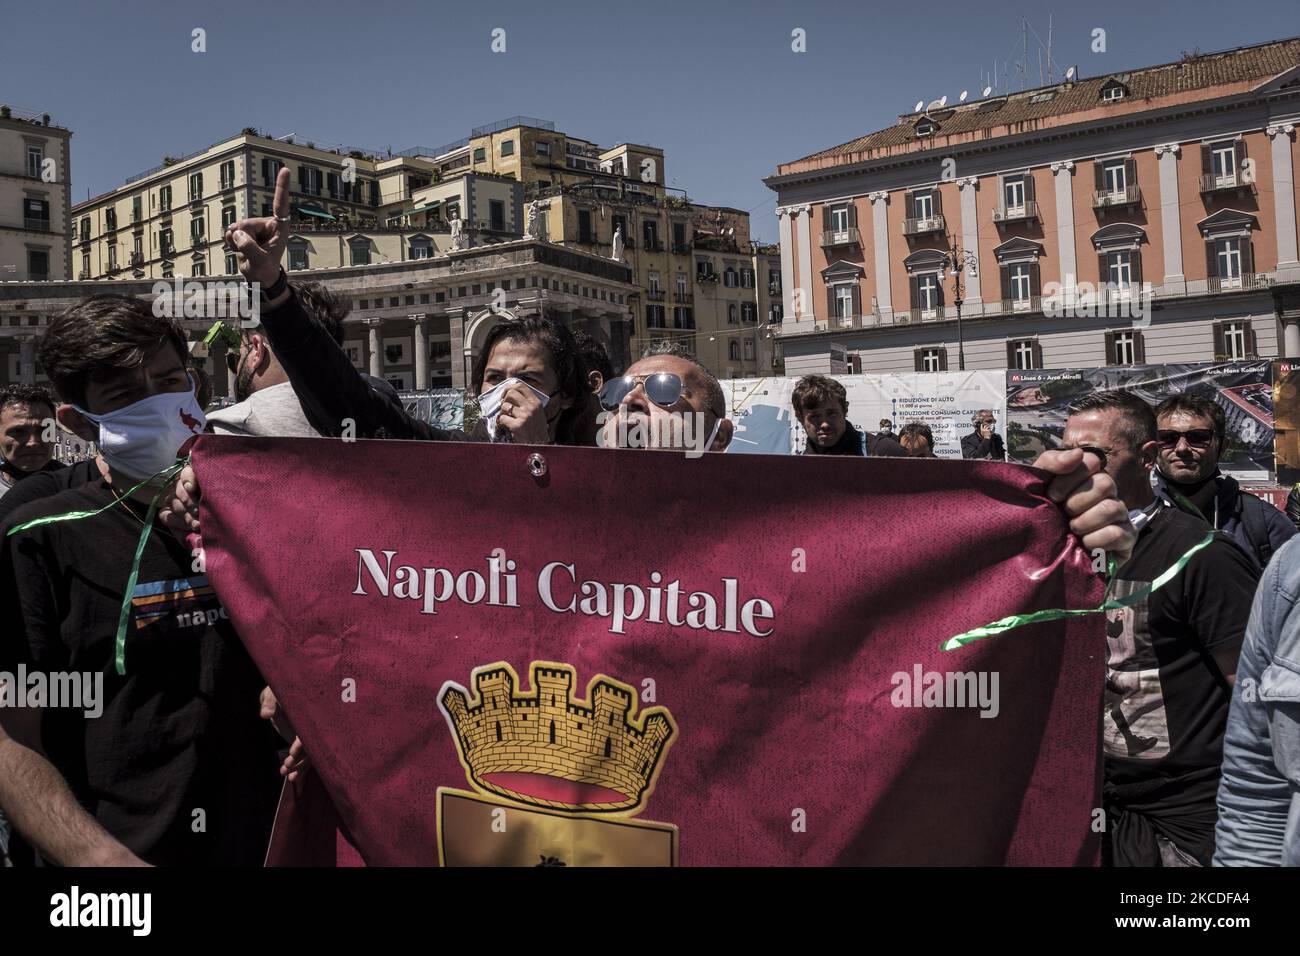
<point>142,439</point>
<point>489,403</point>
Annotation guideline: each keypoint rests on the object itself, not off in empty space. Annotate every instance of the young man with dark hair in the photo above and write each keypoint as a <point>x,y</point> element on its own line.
<point>821,405</point>
<point>1191,430</point>
<point>178,767</point>
<point>917,438</point>
<point>1172,655</point>
<point>25,411</point>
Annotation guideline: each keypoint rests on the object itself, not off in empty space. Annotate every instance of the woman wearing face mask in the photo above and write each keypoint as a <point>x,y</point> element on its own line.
<point>528,376</point>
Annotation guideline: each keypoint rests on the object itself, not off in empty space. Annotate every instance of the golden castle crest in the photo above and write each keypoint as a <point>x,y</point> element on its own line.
<point>548,749</point>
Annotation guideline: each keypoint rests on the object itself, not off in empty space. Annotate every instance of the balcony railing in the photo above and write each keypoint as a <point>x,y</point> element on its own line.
<point>918,316</point>
<point>686,298</point>
<point>83,275</point>
<point>655,295</point>
<point>1130,195</point>
<point>198,240</point>
<point>227,184</point>
<point>37,225</point>
<point>1032,304</point>
<point>1247,282</point>
<point>136,258</point>
<point>1213,183</point>
<point>774,290</point>
<point>654,245</point>
<point>922,227</point>
<point>841,237</point>
<point>681,248</point>
<point>1024,213</point>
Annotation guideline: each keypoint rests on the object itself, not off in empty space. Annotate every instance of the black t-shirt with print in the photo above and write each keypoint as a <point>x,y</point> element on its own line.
<point>1166,700</point>
<point>180,732</point>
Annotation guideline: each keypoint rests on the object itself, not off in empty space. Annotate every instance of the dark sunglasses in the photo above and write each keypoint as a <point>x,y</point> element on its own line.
<point>232,362</point>
<point>1196,437</point>
<point>663,388</point>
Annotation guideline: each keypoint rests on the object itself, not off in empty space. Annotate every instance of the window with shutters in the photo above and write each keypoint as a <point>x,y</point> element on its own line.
<point>270,169</point>
<point>654,316</point>
<point>1020,277</point>
<point>775,314</point>
<point>136,206</point>
<point>165,242</point>
<point>231,264</point>
<point>585,232</point>
<point>496,215</point>
<point>1114,178</point>
<point>1223,156</point>
<point>110,219</point>
<point>1235,337</point>
<point>746,278</point>
<point>227,174</point>
<point>1227,254</point>
<point>309,180</point>
<point>164,198</point>
<point>748,312</point>
<point>1125,348</point>
<point>931,360</point>
<point>196,229</point>
<point>35,158</point>
<point>227,217</point>
<point>85,266</point>
<point>1023,354</point>
<point>112,256</point>
<point>731,313</point>
<point>730,277</point>
<point>199,267</point>
<point>196,186</point>
<point>1119,270</point>
<point>923,204</point>
<point>650,233</point>
<point>840,223</point>
<point>298,256</point>
<point>844,302</point>
<point>359,252</point>
<point>928,292</point>
<point>1013,195</point>
<point>749,350</point>
<point>733,350</point>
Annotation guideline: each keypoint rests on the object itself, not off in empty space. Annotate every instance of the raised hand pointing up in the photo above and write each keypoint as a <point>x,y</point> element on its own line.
<point>259,243</point>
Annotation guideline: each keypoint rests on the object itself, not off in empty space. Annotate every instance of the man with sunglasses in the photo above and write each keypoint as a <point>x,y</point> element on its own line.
<point>1190,430</point>
<point>666,400</point>
<point>1171,656</point>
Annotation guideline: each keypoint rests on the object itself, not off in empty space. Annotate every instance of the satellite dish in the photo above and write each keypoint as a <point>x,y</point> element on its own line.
<point>987,91</point>
<point>962,98</point>
<point>919,105</point>
<point>944,100</point>
<point>1069,74</point>
<point>934,105</point>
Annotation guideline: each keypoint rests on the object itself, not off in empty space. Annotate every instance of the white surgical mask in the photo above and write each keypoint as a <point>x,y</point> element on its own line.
<point>489,403</point>
<point>142,438</point>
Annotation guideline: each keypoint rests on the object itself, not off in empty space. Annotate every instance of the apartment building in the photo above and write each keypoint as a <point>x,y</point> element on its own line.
<point>418,324</point>
<point>1143,216</point>
<point>35,197</point>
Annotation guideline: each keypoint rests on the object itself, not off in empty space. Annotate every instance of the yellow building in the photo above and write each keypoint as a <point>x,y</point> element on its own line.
<point>35,197</point>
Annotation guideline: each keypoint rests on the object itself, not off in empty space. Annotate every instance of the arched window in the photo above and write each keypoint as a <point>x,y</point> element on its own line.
<point>734,351</point>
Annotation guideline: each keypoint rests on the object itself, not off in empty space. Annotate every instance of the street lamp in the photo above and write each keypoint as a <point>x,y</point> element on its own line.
<point>959,260</point>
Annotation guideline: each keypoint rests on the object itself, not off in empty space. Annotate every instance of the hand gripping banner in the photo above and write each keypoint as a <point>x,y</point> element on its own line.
<point>597,657</point>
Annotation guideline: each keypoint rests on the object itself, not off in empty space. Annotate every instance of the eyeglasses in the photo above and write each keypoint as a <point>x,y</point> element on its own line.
<point>1196,437</point>
<point>232,361</point>
<point>663,388</point>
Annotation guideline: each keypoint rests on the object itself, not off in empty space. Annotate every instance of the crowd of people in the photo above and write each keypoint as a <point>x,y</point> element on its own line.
<point>1195,770</point>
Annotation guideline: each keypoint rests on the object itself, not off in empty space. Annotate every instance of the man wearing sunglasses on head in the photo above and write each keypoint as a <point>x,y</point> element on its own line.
<point>1190,431</point>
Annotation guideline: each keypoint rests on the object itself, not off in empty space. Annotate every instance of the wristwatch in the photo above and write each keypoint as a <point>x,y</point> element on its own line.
<point>276,288</point>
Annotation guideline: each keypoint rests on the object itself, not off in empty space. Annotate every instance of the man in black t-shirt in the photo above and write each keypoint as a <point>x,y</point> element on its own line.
<point>1171,656</point>
<point>179,766</point>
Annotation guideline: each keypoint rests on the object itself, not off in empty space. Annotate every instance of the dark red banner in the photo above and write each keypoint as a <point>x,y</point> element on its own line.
<point>633,657</point>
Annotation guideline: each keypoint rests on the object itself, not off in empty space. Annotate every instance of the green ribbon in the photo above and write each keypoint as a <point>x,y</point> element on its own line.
<point>168,473</point>
<point>1020,620</point>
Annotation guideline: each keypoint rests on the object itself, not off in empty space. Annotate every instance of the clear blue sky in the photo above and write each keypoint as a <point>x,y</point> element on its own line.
<point>715,84</point>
